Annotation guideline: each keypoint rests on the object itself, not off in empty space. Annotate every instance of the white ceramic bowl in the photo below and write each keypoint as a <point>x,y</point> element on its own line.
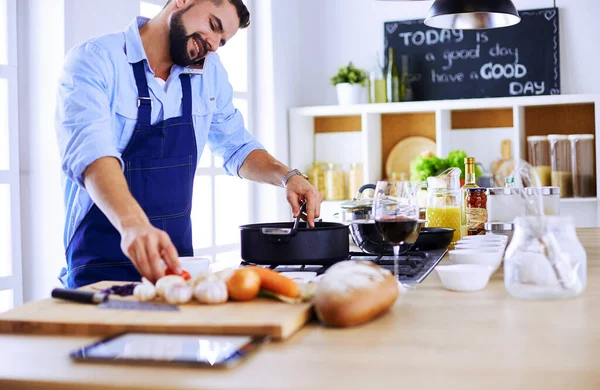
<point>487,237</point>
<point>487,246</point>
<point>477,257</point>
<point>194,265</point>
<point>464,277</point>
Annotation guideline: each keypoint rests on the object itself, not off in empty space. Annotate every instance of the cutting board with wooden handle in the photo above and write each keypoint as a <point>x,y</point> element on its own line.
<point>257,317</point>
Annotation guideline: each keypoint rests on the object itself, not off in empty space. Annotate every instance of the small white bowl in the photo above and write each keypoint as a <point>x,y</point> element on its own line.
<point>486,238</point>
<point>464,277</point>
<point>194,265</point>
<point>484,246</point>
<point>477,256</point>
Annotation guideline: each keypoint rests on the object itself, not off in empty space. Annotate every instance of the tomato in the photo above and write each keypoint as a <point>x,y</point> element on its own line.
<point>184,274</point>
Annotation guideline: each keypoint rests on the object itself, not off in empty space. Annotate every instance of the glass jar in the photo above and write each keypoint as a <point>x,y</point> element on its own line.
<point>550,199</point>
<point>560,159</point>
<point>444,202</point>
<point>504,204</point>
<point>377,88</point>
<point>545,259</point>
<point>583,163</point>
<point>355,179</point>
<point>335,182</point>
<point>476,211</point>
<point>316,176</point>
<point>539,157</point>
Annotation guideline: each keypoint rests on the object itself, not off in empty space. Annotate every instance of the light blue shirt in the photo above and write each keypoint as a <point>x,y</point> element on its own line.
<point>97,111</point>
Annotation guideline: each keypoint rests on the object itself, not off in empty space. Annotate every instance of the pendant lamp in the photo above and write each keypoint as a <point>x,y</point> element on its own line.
<point>472,14</point>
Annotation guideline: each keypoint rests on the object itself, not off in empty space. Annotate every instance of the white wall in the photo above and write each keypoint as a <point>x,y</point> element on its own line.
<point>334,32</point>
<point>47,29</point>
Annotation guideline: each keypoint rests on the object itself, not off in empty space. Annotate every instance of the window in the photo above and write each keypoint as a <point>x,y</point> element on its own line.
<point>11,291</point>
<point>221,203</point>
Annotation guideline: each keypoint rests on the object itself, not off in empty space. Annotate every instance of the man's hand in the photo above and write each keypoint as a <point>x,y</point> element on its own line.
<point>299,189</point>
<point>147,247</point>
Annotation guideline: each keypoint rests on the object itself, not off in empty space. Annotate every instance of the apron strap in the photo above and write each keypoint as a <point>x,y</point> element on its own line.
<point>186,91</point>
<point>144,101</point>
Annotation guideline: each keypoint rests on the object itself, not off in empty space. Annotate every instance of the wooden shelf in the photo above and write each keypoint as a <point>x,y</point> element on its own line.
<point>334,124</point>
<point>481,119</point>
<point>396,127</point>
<point>560,119</point>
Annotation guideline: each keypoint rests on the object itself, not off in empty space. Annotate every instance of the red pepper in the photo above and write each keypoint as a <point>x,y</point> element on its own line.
<point>184,274</point>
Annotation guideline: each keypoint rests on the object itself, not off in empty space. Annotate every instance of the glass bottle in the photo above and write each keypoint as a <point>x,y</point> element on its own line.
<point>539,157</point>
<point>476,211</point>
<point>392,79</point>
<point>545,259</point>
<point>377,88</point>
<point>406,91</point>
<point>443,201</point>
<point>470,182</point>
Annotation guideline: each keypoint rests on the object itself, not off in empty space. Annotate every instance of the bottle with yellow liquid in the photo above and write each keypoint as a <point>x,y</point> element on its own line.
<point>443,201</point>
<point>470,182</point>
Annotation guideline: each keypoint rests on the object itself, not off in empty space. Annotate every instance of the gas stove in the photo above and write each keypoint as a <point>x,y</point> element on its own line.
<point>413,267</point>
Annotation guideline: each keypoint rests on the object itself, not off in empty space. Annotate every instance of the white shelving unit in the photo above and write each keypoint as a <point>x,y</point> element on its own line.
<point>474,125</point>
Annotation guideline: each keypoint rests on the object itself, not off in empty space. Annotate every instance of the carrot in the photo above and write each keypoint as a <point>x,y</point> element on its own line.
<point>277,283</point>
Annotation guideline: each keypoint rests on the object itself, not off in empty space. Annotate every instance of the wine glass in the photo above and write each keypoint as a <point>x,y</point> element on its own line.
<point>396,214</point>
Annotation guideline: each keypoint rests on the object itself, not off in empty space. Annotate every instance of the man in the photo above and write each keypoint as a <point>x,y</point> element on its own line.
<point>135,110</point>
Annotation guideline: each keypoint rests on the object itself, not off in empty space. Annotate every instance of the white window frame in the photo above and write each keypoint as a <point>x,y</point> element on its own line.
<point>13,282</point>
<point>215,171</point>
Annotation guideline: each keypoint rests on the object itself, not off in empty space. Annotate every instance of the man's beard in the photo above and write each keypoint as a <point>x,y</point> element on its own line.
<point>179,42</point>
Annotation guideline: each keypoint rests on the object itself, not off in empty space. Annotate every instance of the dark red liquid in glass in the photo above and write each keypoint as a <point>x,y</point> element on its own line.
<point>396,229</point>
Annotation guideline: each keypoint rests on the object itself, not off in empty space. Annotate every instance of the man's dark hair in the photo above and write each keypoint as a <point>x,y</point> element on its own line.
<point>240,7</point>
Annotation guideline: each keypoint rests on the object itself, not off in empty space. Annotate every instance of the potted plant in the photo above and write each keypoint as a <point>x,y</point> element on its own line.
<point>350,83</point>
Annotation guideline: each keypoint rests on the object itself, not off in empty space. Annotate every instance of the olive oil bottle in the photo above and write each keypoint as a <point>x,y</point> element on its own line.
<point>470,182</point>
<point>392,78</point>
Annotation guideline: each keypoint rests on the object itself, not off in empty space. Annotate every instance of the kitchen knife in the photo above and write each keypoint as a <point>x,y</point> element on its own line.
<point>102,300</point>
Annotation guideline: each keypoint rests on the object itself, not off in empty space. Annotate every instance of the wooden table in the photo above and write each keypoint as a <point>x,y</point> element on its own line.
<point>433,339</point>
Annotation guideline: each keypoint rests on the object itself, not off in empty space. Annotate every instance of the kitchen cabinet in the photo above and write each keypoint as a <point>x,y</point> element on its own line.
<point>370,131</point>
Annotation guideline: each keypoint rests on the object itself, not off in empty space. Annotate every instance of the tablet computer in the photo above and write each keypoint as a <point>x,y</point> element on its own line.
<point>163,349</point>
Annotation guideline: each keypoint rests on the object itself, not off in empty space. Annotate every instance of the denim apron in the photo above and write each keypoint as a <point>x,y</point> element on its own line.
<point>160,163</point>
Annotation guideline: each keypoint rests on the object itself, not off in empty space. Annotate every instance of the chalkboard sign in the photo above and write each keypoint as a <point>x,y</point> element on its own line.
<point>520,60</point>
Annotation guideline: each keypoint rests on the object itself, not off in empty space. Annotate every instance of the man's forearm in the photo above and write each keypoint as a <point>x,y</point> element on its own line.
<point>106,184</point>
<point>261,167</point>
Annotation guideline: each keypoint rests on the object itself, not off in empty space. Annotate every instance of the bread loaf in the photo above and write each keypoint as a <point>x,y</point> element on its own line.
<point>353,292</point>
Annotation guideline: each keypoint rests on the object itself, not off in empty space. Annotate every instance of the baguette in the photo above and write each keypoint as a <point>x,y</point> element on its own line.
<point>354,292</point>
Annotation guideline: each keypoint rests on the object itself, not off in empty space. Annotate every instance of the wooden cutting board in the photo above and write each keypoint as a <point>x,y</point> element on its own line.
<point>257,317</point>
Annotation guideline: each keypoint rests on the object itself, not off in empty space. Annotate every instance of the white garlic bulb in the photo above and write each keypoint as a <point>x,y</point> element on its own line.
<point>166,281</point>
<point>201,277</point>
<point>224,274</point>
<point>177,293</point>
<point>144,291</point>
<point>211,292</point>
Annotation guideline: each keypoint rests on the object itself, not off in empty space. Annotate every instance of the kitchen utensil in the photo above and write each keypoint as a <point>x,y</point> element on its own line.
<point>464,277</point>
<point>195,265</point>
<point>433,239</point>
<point>292,243</point>
<point>405,151</point>
<point>260,316</point>
<point>103,301</point>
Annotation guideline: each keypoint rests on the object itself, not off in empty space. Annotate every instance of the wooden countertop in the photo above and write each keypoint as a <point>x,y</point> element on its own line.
<point>433,339</point>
